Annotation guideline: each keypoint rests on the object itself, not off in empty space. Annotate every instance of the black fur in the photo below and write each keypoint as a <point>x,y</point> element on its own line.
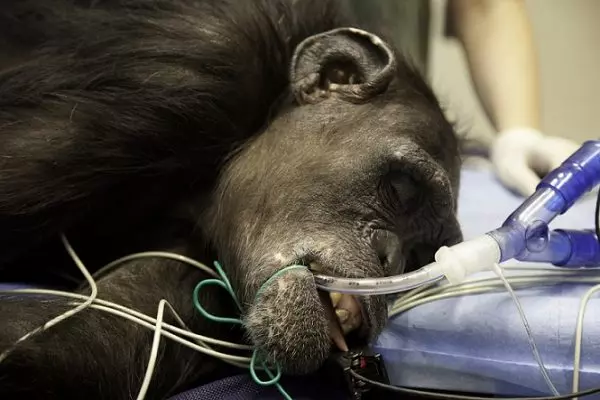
<point>190,126</point>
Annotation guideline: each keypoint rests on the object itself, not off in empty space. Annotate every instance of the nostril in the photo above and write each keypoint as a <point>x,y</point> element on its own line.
<point>383,261</point>
<point>386,246</point>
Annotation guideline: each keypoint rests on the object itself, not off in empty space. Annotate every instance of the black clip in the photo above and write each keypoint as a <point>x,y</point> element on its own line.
<point>365,364</point>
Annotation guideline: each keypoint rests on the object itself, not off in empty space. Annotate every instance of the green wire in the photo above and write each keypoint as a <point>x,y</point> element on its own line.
<point>225,284</point>
<point>205,313</point>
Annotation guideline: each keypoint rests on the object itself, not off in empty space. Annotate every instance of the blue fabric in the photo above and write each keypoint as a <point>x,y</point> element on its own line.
<point>241,387</point>
<point>478,343</point>
<point>14,286</point>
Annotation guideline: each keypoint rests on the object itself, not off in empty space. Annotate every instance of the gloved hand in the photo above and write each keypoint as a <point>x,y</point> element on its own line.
<point>517,154</point>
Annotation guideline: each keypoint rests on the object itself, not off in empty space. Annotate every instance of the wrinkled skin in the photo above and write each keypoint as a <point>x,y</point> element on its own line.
<point>261,134</point>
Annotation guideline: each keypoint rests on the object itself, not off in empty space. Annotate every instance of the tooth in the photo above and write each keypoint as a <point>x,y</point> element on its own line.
<point>335,330</point>
<point>342,315</point>
<point>349,304</point>
<point>335,298</point>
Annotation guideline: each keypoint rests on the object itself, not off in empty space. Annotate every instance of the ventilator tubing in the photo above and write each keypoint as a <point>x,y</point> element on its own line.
<point>524,235</point>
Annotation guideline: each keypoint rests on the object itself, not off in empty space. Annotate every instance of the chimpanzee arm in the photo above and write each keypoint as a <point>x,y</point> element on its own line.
<point>94,355</point>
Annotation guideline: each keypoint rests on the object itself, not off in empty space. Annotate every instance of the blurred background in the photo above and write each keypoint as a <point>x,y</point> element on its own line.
<point>567,35</point>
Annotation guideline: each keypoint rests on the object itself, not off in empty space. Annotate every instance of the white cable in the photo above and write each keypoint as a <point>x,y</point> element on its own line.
<point>187,343</point>
<point>238,361</point>
<point>412,299</point>
<point>140,321</point>
<point>93,302</point>
<point>159,254</point>
<point>433,293</point>
<point>549,276</point>
<point>153,351</point>
<point>136,314</point>
<point>534,349</point>
<point>579,336</point>
<point>477,287</point>
<point>67,314</point>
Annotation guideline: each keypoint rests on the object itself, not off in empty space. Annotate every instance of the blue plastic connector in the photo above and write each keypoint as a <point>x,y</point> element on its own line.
<point>579,174</point>
<point>568,248</point>
<point>525,234</point>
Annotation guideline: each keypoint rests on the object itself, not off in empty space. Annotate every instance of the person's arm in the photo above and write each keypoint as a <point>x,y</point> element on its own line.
<point>498,42</point>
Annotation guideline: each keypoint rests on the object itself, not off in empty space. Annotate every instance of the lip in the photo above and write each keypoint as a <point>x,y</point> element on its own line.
<point>365,326</point>
<point>363,331</point>
<point>387,248</point>
<point>344,341</point>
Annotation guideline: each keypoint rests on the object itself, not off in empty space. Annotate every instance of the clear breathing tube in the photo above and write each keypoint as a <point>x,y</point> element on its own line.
<point>524,236</point>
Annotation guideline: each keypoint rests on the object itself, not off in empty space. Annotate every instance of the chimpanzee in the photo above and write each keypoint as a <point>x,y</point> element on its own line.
<point>259,133</point>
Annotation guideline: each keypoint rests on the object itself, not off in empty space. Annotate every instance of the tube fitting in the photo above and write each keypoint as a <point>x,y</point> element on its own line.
<point>463,259</point>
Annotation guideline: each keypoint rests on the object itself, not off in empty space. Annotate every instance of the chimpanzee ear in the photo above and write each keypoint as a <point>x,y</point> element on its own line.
<point>346,62</point>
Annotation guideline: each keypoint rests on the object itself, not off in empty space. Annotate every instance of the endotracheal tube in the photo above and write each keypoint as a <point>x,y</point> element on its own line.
<point>524,235</point>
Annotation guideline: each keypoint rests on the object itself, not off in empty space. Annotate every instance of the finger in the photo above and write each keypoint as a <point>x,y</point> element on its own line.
<point>553,152</point>
<point>518,177</point>
<point>561,152</point>
<point>526,182</point>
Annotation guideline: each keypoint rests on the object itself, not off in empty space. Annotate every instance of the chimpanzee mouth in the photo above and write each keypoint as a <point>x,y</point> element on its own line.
<point>347,316</point>
<point>349,320</point>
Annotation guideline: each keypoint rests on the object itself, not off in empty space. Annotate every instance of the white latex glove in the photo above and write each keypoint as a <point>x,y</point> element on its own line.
<point>518,153</point>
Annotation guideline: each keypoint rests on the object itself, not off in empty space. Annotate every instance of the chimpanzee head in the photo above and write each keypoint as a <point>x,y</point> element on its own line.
<point>356,176</point>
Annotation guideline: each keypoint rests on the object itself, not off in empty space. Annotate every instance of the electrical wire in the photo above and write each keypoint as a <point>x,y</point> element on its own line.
<point>484,289</point>
<point>534,349</point>
<point>157,324</point>
<point>485,285</point>
<point>539,276</point>
<point>412,299</point>
<point>579,335</point>
<point>444,396</point>
<point>150,254</point>
<point>149,322</point>
<point>225,284</point>
<point>60,318</point>
<point>136,316</point>
<point>153,352</point>
<point>433,293</point>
